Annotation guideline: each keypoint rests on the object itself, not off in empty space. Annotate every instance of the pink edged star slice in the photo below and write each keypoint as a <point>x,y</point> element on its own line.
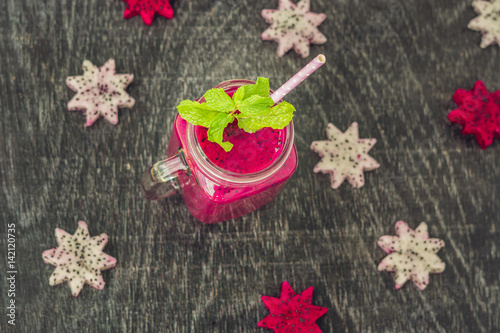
<point>147,9</point>
<point>478,112</point>
<point>292,312</point>
<point>293,26</point>
<point>488,21</point>
<point>345,156</point>
<point>100,92</point>
<point>79,259</point>
<point>412,255</point>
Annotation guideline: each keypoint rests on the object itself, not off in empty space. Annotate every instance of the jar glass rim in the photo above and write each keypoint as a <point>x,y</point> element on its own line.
<point>211,169</point>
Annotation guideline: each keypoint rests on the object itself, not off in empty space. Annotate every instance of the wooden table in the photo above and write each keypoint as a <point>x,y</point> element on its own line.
<point>392,66</point>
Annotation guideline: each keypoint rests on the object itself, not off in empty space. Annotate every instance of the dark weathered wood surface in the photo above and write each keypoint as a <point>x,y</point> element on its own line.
<point>393,66</point>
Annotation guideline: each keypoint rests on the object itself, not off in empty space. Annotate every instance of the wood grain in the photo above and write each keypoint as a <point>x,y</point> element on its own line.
<point>392,66</point>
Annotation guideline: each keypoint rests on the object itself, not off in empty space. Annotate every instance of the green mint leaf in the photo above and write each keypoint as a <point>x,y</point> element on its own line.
<point>216,130</point>
<point>254,105</point>
<point>261,88</point>
<point>276,117</point>
<point>239,95</point>
<point>219,100</point>
<point>196,113</point>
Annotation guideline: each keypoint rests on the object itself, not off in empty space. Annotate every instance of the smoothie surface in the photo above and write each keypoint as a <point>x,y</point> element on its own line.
<point>251,152</point>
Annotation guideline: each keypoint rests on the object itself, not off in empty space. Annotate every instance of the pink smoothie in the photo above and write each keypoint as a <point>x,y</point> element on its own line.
<point>251,152</point>
<point>212,199</point>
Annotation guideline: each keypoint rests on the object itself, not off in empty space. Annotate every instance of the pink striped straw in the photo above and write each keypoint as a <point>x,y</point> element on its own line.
<point>299,77</point>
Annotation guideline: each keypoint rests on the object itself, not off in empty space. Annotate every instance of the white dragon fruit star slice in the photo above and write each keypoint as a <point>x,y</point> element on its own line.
<point>100,92</point>
<point>488,21</point>
<point>79,259</point>
<point>293,26</point>
<point>411,254</point>
<point>345,156</point>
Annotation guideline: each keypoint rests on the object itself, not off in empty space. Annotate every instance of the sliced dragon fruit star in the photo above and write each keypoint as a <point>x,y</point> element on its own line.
<point>79,259</point>
<point>100,92</point>
<point>411,254</point>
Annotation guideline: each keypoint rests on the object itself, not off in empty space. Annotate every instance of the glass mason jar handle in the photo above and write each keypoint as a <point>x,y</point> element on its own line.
<point>160,180</point>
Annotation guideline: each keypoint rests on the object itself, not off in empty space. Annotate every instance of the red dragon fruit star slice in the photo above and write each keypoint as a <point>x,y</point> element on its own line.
<point>147,9</point>
<point>478,112</point>
<point>292,312</point>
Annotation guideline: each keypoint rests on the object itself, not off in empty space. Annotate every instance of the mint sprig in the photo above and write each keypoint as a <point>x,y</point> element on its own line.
<point>216,130</point>
<point>276,117</point>
<point>255,107</point>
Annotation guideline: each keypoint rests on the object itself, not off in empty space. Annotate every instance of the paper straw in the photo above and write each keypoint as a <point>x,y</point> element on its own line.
<point>299,77</point>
